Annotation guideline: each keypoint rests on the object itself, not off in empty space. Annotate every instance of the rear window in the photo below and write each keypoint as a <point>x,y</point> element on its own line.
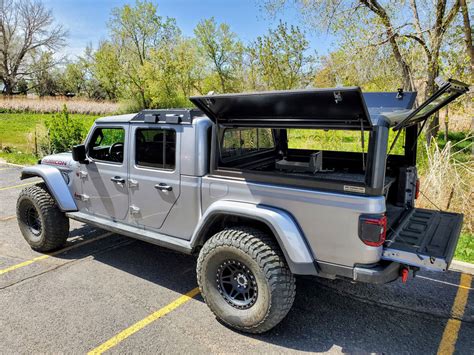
<point>339,140</point>
<point>240,142</point>
<point>331,140</point>
<point>156,148</point>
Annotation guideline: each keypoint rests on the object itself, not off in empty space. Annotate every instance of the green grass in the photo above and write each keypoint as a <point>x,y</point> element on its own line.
<point>465,248</point>
<point>337,140</point>
<point>17,130</point>
<point>19,158</point>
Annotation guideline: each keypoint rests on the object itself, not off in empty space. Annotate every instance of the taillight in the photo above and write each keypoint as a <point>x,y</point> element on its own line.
<point>373,229</point>
<point>417,188</point>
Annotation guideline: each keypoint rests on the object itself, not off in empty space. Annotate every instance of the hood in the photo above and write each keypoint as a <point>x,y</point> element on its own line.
<point>61,161</point>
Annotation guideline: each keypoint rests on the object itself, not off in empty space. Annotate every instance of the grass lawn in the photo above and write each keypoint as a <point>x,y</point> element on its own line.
<point>465,248</point>
<point>17,130</point>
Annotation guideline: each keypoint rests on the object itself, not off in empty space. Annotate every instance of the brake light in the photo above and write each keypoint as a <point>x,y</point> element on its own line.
<point>417,188</point>
<point>373,229</point>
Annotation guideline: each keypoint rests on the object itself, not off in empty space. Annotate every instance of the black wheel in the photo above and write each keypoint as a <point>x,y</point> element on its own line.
<point>244,279</point>
<point>41,222</point>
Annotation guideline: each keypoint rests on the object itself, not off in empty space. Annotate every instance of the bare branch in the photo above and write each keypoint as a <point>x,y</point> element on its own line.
<point>25,27</point>
<point>421,42</point>
<point>416,18</point>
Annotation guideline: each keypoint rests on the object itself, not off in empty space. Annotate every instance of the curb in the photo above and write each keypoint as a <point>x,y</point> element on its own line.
<point>17,165</point>
<point>462,266</point>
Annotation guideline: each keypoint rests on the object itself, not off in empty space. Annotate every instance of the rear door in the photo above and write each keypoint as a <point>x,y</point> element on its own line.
<point>154,175</point>
<point>424,238</point>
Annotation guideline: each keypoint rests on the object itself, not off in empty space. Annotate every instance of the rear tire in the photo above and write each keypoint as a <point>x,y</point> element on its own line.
<point>244,279</point>
<point>41,222</point>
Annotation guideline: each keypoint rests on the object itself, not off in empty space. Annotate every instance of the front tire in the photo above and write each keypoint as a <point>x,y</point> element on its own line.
<point>41,222</point>
<point>244,279</point>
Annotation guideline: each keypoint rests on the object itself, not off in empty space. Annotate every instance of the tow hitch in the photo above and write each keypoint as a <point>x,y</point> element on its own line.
<point>405,272</point>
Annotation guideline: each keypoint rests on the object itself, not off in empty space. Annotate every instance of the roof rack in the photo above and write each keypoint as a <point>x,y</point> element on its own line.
<point>173,116</point>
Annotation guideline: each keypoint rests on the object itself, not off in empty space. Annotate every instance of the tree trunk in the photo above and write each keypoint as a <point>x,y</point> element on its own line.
<point>433,70</point>
<point>446,124</point>
<point>374,6</point>
<point>468,34</point>
<point>8,85</point>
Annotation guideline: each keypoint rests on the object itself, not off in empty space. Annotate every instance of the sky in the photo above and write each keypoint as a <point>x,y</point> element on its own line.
<point>86,20</point>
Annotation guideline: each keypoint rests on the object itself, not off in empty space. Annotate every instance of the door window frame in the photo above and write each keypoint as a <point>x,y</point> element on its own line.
<point>125,149</point>
<point>133,151</point>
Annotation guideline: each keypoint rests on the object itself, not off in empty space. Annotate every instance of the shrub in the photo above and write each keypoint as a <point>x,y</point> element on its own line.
<point>63,132</point>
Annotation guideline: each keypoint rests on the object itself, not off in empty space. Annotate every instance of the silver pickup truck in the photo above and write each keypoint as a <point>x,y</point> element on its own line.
<point>261,187</point>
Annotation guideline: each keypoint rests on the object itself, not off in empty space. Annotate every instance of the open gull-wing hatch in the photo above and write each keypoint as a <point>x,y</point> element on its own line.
<point>448,91</point>
<point>338,108</point>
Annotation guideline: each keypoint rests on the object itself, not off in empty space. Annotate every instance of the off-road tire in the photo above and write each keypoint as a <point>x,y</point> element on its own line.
<point>54,227</point>
<point>262,256</point>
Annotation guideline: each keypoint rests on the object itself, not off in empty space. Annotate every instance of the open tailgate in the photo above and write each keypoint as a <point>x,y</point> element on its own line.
<point>424,238</point>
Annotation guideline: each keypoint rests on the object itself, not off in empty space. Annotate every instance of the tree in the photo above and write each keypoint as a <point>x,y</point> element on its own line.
<point>400,25</point>
<point>223,49</point>
<point>26,30</point>
<point>106,68</point>
<point>73,79</point>
<point>282,59</point>
<point>467,34</point>
<point>46,81</point>
<point>136,30</point>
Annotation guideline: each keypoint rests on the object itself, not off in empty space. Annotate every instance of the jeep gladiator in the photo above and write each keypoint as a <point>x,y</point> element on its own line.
<point>236,183</point>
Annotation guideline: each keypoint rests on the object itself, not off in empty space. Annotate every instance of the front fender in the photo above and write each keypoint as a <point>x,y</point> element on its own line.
<point>55,183</point>
<point>286,231</point>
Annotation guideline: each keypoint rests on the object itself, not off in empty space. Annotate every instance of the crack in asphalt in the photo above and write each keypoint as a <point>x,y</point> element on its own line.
<point>406,310</point>
<point>71,262</point>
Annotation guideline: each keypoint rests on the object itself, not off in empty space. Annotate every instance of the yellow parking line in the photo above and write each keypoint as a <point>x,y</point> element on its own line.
<point>3,219</point>
<point>144,322</point>
<point>451,331</point>
<point>15,186</point>
<point>42,257</point>
<point>444,282</point>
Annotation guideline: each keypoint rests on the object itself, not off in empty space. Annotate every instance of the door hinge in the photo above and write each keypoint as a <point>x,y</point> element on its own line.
<point>132,183</point>
<point>134,209</point>
<point>81,197</point>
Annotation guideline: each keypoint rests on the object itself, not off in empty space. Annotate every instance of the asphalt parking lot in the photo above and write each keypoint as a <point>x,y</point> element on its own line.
<point>106,292</point>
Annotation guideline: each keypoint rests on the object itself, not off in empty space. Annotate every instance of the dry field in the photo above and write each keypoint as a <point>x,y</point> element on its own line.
<point>448,183</point>
<point>55,104</point>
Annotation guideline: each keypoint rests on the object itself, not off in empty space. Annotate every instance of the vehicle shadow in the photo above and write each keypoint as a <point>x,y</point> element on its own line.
<point>327,315</point>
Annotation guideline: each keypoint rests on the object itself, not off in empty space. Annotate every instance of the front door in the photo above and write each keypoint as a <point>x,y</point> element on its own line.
<point>154,179</point>
<point>104,179</point>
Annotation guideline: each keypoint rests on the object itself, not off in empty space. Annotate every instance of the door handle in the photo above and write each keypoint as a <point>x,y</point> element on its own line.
<point>118,180</point>
<point>163,187</point>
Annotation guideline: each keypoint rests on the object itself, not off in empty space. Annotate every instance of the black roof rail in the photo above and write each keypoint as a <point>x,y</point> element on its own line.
<point>176,116</point>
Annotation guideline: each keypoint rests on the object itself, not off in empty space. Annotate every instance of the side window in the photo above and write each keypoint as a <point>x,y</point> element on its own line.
<point>240,142</point>
<point>155,148</point>
<point>107,144</point>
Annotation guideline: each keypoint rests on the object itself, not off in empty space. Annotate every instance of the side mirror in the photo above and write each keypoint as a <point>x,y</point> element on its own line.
<point>79,153</point>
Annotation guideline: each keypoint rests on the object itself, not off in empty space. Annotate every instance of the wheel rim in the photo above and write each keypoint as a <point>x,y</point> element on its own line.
<point>236,284</point>
<point>33,220</point>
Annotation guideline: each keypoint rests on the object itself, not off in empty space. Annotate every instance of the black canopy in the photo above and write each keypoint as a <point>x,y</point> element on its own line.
<point>337,108</point>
